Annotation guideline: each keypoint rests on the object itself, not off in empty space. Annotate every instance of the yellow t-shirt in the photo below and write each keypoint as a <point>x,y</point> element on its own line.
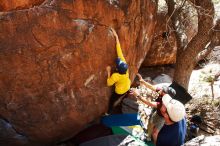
<point>122,81</point>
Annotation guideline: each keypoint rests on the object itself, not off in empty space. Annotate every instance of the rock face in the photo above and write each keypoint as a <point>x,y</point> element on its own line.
<point>163,49</point>
<point>53,59</point>
<point>7,5</point>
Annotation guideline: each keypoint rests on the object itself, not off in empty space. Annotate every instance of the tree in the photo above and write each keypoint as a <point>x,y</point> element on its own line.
<point>189,53</point>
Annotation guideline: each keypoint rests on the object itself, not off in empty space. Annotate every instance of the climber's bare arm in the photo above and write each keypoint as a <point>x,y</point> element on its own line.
<point>108,69</point>
<point>116,36</point>
<point>118,46</point>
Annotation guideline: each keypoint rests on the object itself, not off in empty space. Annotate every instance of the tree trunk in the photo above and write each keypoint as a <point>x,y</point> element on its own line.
<point>186,57</point>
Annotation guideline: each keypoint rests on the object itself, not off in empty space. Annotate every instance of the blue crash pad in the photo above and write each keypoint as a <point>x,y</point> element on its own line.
<point>121,120</point>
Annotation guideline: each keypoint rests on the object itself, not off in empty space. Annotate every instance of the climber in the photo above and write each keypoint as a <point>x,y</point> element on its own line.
<point>119,78</point>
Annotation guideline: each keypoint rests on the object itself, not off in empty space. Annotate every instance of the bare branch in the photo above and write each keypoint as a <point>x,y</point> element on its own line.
<point>205,23</point>
<point>212,44</point>
<point>209,47</point>
<point>174,14</point>
<point>214,79</point>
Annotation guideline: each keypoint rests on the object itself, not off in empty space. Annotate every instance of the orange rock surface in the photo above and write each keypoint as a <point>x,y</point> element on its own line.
<point>53,59</point>
<point>8,5</point>
<point>163,49</point>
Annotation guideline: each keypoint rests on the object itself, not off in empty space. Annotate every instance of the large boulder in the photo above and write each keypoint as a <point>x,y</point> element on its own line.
<point>164,44</point>
<point>53,59</point>
<point>163,49</point>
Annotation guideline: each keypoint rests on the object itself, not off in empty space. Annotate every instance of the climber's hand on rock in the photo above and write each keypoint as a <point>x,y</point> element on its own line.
<point>114,32</point>
<point>108,68</point>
